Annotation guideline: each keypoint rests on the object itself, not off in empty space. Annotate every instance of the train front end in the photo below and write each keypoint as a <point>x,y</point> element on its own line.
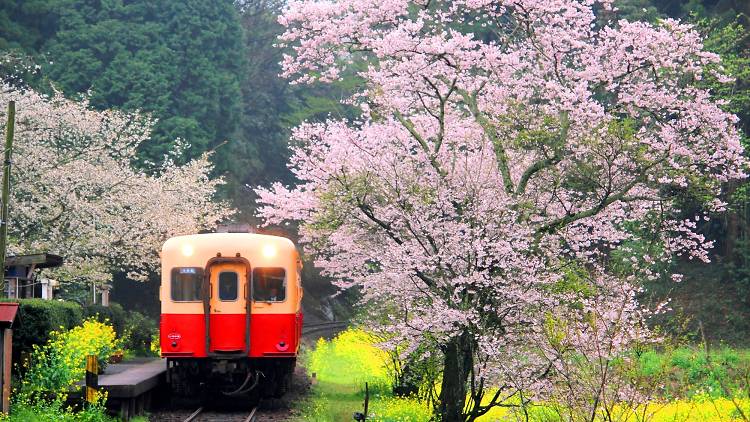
<point>231,318</point>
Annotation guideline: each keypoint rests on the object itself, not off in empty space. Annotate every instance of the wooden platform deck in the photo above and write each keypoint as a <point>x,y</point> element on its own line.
<point>131,379</point>
<point>132,385</point>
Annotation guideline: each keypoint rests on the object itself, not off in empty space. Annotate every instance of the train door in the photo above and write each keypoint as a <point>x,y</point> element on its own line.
<point>228,307</point>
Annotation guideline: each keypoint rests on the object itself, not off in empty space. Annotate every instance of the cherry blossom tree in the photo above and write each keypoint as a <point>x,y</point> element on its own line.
<point>509,155</point>
<point>75,191</point>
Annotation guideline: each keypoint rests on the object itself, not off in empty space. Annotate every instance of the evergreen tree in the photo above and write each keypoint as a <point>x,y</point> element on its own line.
<point>26,25</point>
<point>180,61</point>
<point>272,106</point>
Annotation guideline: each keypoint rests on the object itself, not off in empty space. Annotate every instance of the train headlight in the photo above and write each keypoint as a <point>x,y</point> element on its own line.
<point>269,251</point>
<point>187,249</point>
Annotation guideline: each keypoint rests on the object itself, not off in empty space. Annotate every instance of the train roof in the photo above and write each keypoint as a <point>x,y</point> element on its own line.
<point>196,249</point>
<point>223,238</point>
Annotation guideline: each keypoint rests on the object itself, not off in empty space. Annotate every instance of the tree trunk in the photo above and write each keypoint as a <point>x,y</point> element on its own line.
<point>732,222</point>
<point>458,360</point>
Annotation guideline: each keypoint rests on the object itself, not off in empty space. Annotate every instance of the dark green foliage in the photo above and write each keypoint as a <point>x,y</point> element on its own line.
<point>19,70</point>
<point>75,292</point>
<point>417,375</point>
<point>272,106</point>
<point>637,10</point>
<point>727,34</point>
<point>38,317</point>
<point>180,61</point>
<point>26,25</point>
<point>208,71</point>
<point>140,331</point>
<point>262,155</point>
<point>722,9</point>
<point>706,297</point>
<point>141,296</point>
<point>731,41</point>
<point>740,270</point>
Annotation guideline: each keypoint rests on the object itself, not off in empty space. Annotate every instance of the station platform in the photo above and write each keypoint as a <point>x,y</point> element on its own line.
<point>133,378</point>
<point>131,385</point>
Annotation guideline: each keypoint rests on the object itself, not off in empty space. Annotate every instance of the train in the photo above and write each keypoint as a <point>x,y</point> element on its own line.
<point>231,314</point>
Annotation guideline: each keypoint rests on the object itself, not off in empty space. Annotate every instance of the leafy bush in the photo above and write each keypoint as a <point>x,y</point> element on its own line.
<point>62,361</point>
<point>155,349</point>
<point>38,318</point>
<point>141,332</point>
<point>136,329</point>
<point>54,410</point>
<point>54,367</point>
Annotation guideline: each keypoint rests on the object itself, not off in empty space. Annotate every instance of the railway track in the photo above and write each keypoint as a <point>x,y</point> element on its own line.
<point>266,414</point>
<point>323,326</point>
<point>201,415</point>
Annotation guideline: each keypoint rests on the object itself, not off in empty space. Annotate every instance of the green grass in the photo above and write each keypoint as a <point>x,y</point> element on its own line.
<point>342,367</point>
<point>694,388</point>
<point>331,402</point>
<point>688,371</point>
<point>54,411</point>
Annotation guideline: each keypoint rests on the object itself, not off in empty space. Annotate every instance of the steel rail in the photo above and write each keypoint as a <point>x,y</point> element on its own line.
<point>323,326</point>
<point>251,417</point>
<point>193,415</point>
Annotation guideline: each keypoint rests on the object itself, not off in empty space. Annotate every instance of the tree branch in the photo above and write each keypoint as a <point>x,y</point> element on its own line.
<point>409,125</point>
<point>470,99</point>
<point>556,224</point>
<point>547,162</point>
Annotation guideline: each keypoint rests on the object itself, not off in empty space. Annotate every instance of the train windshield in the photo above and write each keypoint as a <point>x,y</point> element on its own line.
<point>228,286</point>
<point>186,284</point>
<point>269,284</point>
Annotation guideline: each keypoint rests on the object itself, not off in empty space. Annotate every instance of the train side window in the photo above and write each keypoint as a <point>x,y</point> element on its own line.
<point>186,284</point>
<point>269,284</point>
<point>228,286</point>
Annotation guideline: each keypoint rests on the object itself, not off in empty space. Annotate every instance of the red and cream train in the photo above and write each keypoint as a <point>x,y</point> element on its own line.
<point>231,316</point>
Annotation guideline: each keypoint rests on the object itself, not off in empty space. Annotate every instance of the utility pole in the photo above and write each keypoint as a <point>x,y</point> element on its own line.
<point>6,184</point>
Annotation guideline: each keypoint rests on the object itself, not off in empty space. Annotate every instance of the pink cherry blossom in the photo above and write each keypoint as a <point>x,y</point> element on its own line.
<point>506,149</point>
<point>77,193</point>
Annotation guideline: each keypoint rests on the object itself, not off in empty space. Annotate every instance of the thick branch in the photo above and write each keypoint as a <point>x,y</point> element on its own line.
<point>500,154</point>
<point>554,225</point>
<point>409,125</point>
<point>547,162</point>
<point>368,212</point>
<point>441,116</point>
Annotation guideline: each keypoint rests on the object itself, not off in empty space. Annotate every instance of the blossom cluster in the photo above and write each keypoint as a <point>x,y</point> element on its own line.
<point>77,192</point>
